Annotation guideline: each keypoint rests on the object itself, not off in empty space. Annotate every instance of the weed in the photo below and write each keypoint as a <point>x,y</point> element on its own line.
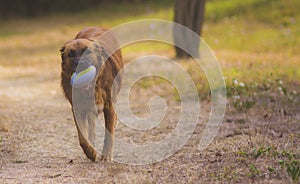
<point>243,153</point>
<point>55,176</point>
<point>287,161</point>
<point>281,163</point>
<point>244,95</point>
<point>286,154</point>
<point>271,169</point>
<point>278,92</point>
<point>293,169</point>
<point>269,151</point>
<point>260,151</point>
<point>253,170</point>
<point>21,161</point>
<point>256,152</point>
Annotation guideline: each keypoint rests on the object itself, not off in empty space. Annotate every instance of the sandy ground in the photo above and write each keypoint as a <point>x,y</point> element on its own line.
<point>39,140</point>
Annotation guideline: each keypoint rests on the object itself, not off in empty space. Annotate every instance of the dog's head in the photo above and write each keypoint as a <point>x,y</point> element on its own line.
<point>78,54</point>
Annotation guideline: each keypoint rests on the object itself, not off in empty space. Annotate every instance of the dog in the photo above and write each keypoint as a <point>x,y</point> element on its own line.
<point>102,50</point>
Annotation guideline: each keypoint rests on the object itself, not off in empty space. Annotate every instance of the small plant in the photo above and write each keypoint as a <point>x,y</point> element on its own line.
<point>21,161</point>
<point>287,161</point>
<point>243,153</point>
<point>286,154</point>
<point>293,169</point>
<point>271,169</point>
<point>256,152</point>
<point>281,163</point>
<point>260,151</point>
<point>243,95</point>
<point>278,92</point>
<point>253,170</point>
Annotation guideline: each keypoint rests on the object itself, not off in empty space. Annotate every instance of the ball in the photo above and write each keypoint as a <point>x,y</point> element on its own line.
<point>83,78</point>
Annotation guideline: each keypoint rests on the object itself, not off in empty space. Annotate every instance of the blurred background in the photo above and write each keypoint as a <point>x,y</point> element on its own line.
<point>259,34</point>
<point>257,44</point>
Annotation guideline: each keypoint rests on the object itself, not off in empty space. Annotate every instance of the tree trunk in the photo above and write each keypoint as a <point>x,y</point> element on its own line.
<point>189,13</point>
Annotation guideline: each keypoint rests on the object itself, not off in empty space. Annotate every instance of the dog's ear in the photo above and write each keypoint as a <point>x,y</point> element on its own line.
<point>100,52</point>
<point>62,51</point>
<point>98,48</point>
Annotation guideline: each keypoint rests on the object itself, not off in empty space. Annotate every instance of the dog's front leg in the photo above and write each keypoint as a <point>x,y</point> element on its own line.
<point>92,137</point>
<point>82,129</point>
<point>110,119</point>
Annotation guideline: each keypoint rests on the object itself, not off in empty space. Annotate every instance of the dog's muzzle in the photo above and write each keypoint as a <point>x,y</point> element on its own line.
<point>80,65</point>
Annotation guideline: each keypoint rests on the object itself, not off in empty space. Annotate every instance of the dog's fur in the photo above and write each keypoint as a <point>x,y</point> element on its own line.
<point>105,89</point>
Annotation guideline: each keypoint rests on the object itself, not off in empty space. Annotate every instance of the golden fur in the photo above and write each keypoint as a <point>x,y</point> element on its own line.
<point>105,89</point>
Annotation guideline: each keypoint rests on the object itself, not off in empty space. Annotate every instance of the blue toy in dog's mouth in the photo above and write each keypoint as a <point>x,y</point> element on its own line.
<point>84,78</point>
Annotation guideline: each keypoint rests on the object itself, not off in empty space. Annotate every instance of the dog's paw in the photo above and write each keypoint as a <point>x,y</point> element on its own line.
<point>91,153</point>
<point>92,156</point>
<point>105,158</point>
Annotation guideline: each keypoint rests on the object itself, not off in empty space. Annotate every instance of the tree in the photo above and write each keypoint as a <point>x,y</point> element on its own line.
<point>189,13</point>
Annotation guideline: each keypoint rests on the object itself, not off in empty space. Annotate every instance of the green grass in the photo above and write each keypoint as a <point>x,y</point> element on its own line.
<point>286,160</point>
<point>251,38</point>
<point>262,34</point>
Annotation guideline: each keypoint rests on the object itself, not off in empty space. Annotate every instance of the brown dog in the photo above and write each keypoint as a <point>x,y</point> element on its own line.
<point>102,51</point>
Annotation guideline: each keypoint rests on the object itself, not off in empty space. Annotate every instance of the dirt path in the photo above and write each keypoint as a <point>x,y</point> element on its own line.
<point>39,141</point>
<point>41,137</point>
